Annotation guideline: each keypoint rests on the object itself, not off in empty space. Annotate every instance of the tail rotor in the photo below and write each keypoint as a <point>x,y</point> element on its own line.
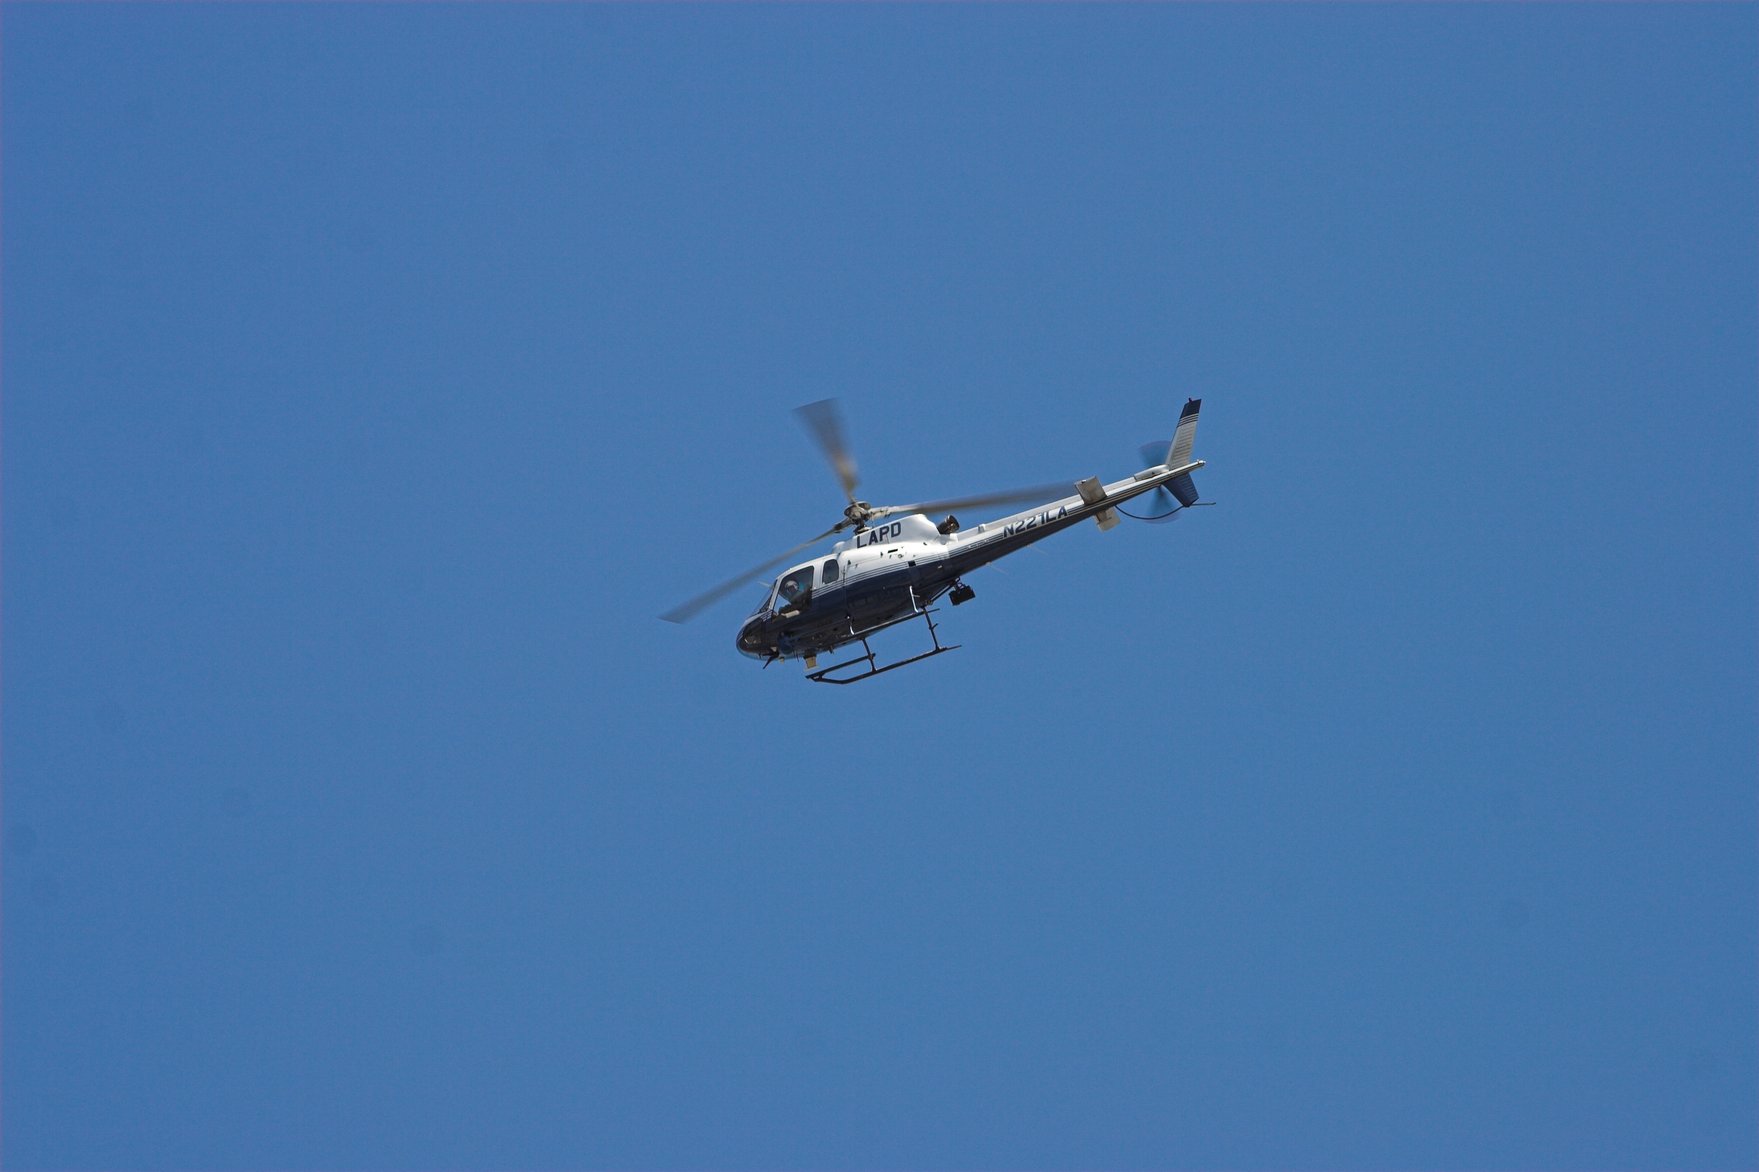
<point>1178,493</point>
<point>1162,505</point>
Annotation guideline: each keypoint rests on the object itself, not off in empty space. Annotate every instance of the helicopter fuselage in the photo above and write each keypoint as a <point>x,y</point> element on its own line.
<point>902,564</point>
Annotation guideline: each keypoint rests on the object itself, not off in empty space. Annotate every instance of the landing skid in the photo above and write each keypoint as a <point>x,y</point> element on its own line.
<point>873,668</point>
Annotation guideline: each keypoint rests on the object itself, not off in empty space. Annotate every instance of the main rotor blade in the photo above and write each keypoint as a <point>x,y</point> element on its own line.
<point>824,420</point>
<point>1019,496</point>
<point>688,611</point>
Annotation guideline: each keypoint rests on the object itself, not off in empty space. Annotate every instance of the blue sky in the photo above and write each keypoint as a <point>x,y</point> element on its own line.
<point>374,375</point>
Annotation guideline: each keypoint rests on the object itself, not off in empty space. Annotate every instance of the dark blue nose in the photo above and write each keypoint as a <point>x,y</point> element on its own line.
<point>751,640</point>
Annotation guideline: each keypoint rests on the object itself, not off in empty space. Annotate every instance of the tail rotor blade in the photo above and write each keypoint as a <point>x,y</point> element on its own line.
<point>823,420</point>
<point>1166,507</point>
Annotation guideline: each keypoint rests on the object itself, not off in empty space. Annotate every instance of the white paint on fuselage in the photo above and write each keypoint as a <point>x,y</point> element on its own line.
<point>896,542</point>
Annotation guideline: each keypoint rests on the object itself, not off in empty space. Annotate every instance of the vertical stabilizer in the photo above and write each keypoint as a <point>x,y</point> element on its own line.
<point>1179,453</point>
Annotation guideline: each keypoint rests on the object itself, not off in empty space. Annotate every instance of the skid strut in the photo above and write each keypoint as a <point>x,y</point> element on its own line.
<point>873,668</point>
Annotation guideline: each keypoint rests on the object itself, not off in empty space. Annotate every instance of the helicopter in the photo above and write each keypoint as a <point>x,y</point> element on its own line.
<point>897,562</point>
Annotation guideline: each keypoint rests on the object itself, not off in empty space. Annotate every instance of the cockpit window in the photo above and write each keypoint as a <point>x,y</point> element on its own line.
<point>794,587</point>
<point>828,572</point>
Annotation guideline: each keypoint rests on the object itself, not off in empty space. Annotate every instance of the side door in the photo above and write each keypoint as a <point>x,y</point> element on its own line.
<point>831,588</point>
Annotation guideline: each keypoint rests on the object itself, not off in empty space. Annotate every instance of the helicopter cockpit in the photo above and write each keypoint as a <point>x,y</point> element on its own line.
<point>793,589</point>
<point>786,598</point>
